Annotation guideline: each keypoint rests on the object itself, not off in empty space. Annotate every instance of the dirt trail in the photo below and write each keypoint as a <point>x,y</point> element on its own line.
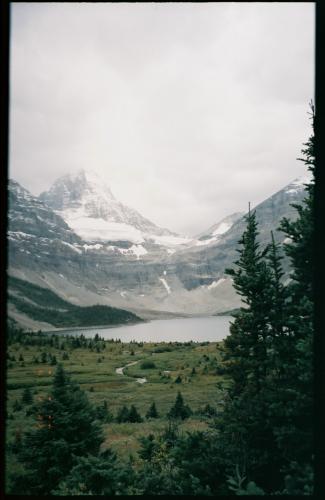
<point>119,371</point>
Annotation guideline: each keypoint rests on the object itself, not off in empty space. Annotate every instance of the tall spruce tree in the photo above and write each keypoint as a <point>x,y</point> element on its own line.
<point>65,429</point>
<point>295,405</point>
<point>246,346</point>
<point>247,433</point>
<point>266,428</point>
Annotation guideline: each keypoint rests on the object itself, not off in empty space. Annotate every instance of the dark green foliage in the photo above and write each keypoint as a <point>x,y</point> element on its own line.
<point>43,357</point>
<point>45,305</point>
<point>266,427</point>
<point>122,415</point>
<point>134,415</point>
<point>66,428</point>
<point>179,409</point>
<point>148,447</point>
<point>152,411</point>
<point>178,379</point>
<point>209,411</point>
<point>53,360</point>
<point>96,475</point>
<point>103,414</point>
<point>146,365</point>
<point>16,406</point>
<point>27,397</point>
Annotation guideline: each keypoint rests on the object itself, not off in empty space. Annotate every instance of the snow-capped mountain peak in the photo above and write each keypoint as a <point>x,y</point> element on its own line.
<point>88,206</point>
<point>212,235</point>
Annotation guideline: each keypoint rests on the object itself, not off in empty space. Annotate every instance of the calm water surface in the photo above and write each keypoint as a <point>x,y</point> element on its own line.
<point>211,328</point>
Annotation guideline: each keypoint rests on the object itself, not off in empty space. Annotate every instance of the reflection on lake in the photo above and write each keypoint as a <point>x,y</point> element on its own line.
<point>211,328</point>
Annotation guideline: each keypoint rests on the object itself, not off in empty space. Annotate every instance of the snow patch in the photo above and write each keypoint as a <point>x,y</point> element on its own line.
<point>97,246</point>
<point>222,228</point>
<point>71,246</point>
<point>137,250</point>
<point>214,284</point>
<point>299,183</point>
<point>164,282</point>
<point>97,229</point>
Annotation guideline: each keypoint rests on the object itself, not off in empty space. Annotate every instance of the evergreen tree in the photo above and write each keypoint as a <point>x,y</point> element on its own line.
<point>148,447</point>
<point>122,415</point>
<point>134,415</point>
<point>96,475</point>
<point>294,407</point>
<point>246,346</point>
<point>152,411</point>
<point>266,427</point>
<point>27,397</point>
<point>66,428</point>
<point>179,409</point>
<point>247,433</point>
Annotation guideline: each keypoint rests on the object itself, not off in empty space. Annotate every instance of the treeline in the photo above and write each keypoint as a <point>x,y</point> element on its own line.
<point>261,441</point>
<point>45,305</point>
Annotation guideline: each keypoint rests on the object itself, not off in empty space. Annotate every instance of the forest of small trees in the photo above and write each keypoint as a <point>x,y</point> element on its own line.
<point>260,443</point>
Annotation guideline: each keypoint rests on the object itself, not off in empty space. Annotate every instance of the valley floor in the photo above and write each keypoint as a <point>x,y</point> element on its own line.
<point>191,368</point>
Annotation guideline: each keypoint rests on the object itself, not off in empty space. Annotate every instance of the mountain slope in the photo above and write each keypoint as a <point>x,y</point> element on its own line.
<point>203,265</point>
<point>43,305</point>
<point>142,278</point>
<point>213,234</point>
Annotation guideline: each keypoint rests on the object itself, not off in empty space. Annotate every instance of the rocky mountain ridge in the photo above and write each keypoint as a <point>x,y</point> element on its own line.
<point>145,278</point>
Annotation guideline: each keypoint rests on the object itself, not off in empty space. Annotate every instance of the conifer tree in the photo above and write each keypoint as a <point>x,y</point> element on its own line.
<point>66,428</point>
<point>179,409</point>
<point>152,411</point>
<point>122,415</point>
<point>246,433</point>
<point>134,415</point>
<point>246,346</point>
<point>295,397</point>
<point>27,397</point>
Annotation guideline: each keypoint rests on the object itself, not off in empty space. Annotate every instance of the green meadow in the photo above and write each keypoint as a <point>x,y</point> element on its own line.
<point>193,369</point>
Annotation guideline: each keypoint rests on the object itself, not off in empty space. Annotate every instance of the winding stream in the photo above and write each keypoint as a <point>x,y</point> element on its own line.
<point>119,371</point>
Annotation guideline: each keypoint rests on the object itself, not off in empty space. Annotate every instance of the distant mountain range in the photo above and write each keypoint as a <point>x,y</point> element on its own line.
<point>81,243</point>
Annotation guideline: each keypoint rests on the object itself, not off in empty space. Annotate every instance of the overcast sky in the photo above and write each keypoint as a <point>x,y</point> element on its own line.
<point>188,110</point>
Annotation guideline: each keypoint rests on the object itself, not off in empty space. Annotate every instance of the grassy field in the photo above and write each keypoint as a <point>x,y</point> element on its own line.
<point>171,371</point>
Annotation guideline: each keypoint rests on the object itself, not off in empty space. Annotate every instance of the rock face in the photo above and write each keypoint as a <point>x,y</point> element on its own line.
<point>144,276</point>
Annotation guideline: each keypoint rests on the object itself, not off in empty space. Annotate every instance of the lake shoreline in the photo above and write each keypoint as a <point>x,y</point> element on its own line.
<point>196,329</point>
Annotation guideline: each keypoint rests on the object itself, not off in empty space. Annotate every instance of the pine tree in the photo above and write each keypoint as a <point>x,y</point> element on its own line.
<point>294,407</point>
<point>152,411</point>
<point>122,415</point>
<point>179,409</point>
<point>27,397</point>
<point>246,432</point>
<point>246,346</point>
<point>96,475</point>
<point>66,428</point>
<point>134,415</point>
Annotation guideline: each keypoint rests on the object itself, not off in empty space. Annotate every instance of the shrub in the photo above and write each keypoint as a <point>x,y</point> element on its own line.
<point>145,365</point>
